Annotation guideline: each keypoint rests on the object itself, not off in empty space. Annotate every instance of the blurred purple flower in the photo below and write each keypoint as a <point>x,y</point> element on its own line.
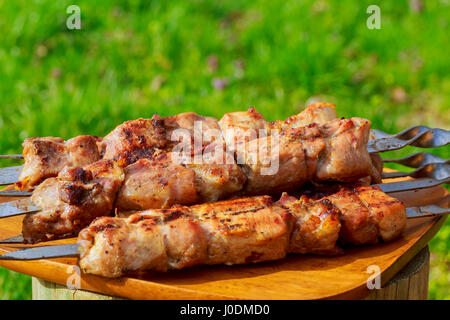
<point>213,63</point>
<point>219,83</point>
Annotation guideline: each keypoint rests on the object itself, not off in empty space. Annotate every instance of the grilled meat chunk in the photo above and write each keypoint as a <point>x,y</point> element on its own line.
<point>315,113</point>
<point>72,200</point>
<point>198,130</point>
<point>46,157</point>
<point>145,138</point>
<point>317,225</point>
<point>134,140</point>
<point>335,150</point>
<point>345,157</point>
<point>387,212</point>
<point>236,231</point>
<point>164,181</point>
<point>280,163</point>
<point>368,215</point>
<point>157,183</point>
<point>240,127</point>
<point>217,175</point>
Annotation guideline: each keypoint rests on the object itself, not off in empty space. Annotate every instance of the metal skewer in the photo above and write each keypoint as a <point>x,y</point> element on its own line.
<point>436,171</point>
<point>418,136</point>
<point>9,175</point>
<point>11,156</point>
<point>71,250</point>
<point>15,193</point>
<point>417,160</point>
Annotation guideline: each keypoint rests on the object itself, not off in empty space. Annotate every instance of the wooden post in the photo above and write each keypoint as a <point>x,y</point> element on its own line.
<point>410,283</point>
<point>46,290</point>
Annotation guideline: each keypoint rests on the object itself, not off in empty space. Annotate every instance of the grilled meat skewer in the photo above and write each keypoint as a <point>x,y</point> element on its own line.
<point>142,138</point>
<point>246,230</point>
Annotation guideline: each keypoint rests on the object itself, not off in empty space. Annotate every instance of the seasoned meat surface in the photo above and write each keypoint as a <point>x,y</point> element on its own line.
<point>335,150</point>
<point>157,183</point>
<point>345,156</point>
<point>134,140</point>
<point>280,163</point>
<point>46,157</point>
<point>72,200</point>
<point>315,113</point>
<point>387,212</point>
<point>237,231</point>
<point>240,127</point>
<point>198,129</point>
<point>186,236</point>
<point>317,225</point>
<point>217,175</point>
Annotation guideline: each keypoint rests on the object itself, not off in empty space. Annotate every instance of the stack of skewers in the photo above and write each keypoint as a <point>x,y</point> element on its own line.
<point>169,193</point>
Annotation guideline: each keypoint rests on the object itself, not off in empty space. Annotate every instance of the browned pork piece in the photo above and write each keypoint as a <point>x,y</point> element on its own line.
<point>46,157</point>
<point>156,183</point>
<point>193,128</point>
<point>238,231</point>
<point>316,227</point>
<point>72,200</point>
<point>345,156</point>
<point>145,138</point>
<point>319,113</point>
<point>134,139</point>
<point>166,180</point>
<point>240,127</point>
<point>335,150</point>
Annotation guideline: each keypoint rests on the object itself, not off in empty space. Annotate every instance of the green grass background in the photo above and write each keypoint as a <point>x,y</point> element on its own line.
<point>134,58</point>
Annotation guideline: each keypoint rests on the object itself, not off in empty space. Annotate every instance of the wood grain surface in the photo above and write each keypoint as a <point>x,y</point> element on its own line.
<point>296,277</point>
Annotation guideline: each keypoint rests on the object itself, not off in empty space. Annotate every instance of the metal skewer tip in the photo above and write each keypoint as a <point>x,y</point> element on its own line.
<point>11,156</point>
<point>43,252</point>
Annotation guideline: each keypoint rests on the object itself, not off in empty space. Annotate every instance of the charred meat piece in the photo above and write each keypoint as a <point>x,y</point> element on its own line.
<point>46,157</point>
<point>368,215</point>
<point>166,180</point>
<point>134,140</point>
<point>387,212</point>
<point>72,200</point>
<point>145,138</point>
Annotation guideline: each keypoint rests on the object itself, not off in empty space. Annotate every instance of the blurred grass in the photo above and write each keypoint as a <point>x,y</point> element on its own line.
<point>134,58</point>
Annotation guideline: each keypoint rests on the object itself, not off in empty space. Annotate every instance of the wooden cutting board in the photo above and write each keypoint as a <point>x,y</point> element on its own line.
<point>296,277</point>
